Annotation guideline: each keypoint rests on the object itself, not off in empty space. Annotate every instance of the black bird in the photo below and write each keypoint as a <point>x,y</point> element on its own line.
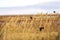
<point>41,28</point>
<point>54,12</point>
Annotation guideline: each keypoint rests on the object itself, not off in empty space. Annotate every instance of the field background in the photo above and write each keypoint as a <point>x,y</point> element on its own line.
<point>27,27</point>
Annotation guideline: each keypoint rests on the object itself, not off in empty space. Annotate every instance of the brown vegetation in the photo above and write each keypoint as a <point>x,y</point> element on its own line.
<point>30,27</point>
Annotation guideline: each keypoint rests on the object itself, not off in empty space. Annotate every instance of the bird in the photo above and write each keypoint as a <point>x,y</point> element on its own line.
<point>41,28</point>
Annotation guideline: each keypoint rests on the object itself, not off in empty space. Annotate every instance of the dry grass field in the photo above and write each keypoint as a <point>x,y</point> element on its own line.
<point>30,27</point>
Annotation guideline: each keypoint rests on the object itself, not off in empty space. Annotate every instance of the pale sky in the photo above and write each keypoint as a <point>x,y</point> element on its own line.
<point>9,7</point>
<point>14,3</point>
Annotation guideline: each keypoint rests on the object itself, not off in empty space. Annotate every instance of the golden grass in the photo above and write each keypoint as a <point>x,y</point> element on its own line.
<point>27,27</point>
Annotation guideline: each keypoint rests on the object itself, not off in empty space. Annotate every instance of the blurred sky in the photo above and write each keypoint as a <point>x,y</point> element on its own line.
<point>8,7</point>
<point>13,3</point>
